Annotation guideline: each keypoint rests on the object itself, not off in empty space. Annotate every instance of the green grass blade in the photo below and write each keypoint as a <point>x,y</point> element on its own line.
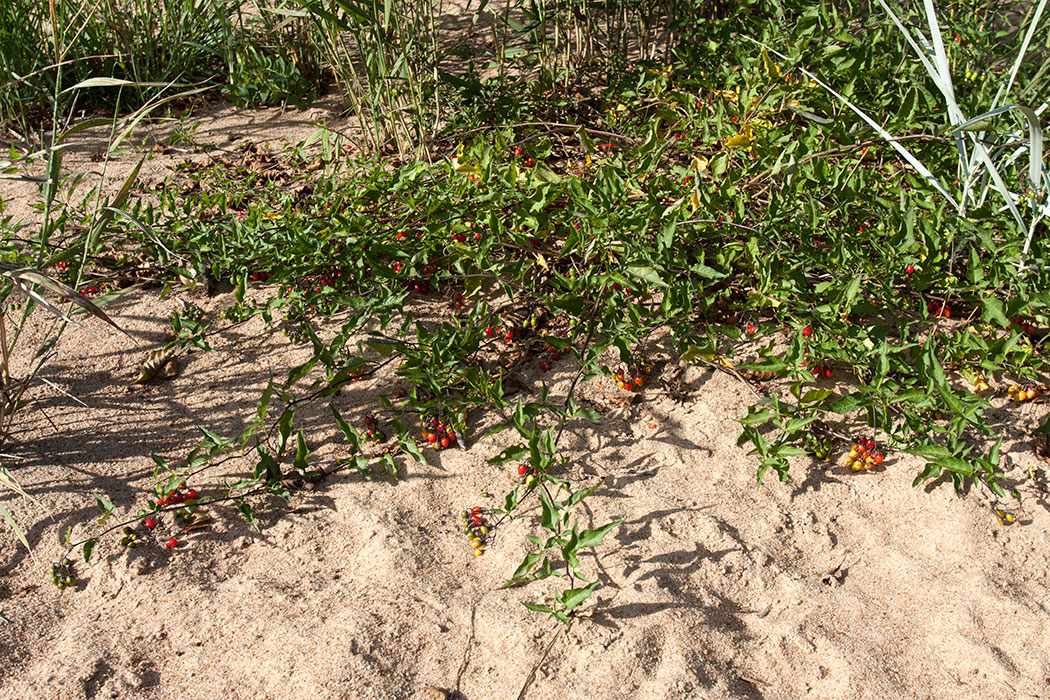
<point>1004,89</point>
<point>14,527</point>
<point>905,153</point>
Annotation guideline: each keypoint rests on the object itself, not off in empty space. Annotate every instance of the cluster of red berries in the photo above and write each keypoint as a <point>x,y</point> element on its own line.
<point>95,290</point>
<point>491,331</point>
<point>398,266</point>
<point>939,309</point>
<point>863,455</point>
<point>553,355</point>
<point>527,472</point>
<point>419,286</point>
<point>1023,324</point>
<point>821,371</point>
<point>615,287</point>
<point>438,433</point>
<point>633,377</point>
<point>752,328</point>
<point>177,496</point>
<point>260,276</point>
<point>372,431</point>
<point>518,152</point>
<point>357,375</point>
<point>477,528</point>
<point>130,538</point>
<point>604,146</point>
<point>318,282</point>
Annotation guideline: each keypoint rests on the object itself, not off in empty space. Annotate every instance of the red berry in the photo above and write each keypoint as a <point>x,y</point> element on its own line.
<point>150,522</point>
<point>807,331</point>
<point>815,372</point>
<point>522,469</point>
<point>828,372</point>
<point>171,543</point>
<point>545,366</point>
<point>489,331</point>
<point>909,269</point>
<point>444,442</point>
<point>192,494</point>
<point>451,437</point>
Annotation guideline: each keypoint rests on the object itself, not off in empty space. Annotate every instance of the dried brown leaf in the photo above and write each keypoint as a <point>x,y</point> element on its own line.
<point>160,363</point>
<point>1041,447</point>
<point>198,521</point>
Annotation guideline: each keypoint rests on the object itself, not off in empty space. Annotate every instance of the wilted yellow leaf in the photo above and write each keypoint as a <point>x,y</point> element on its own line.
<point>772,69</point>
<point>700,166</point>
<point>744,139</point>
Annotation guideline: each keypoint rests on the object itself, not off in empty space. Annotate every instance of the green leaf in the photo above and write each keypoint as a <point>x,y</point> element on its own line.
<point>549,515</point>
<point>932,469</point>
<point>992,312</point>
<point>847,404</point>
<point>89,547</point>
<point>511,453</point>
<point>758,418</point>
<point>105,506</point>
<point>302,451</point>
<point>352,436</point>
<point>388,463</point>
<point>409,447</point>
<point>593,538</point>
<point>931,451</point>
<point>284,430</point>
<point>648,274</point>
<point>246,511</point>
<point>536,607</point>
<point>956,465</point>
<point>527,563</point>
<point>574,597</point>
<point>583,493</point>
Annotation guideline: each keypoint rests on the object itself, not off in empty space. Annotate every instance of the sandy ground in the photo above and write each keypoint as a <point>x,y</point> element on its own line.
<point>832,585</point>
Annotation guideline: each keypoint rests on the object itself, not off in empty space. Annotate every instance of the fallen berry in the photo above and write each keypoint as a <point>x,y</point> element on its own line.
<point>171,543</point>
<point>151,523</point>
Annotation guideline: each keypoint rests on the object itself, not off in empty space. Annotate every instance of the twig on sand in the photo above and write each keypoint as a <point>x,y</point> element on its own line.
<point>543,658</point>
<point>466,650</point>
